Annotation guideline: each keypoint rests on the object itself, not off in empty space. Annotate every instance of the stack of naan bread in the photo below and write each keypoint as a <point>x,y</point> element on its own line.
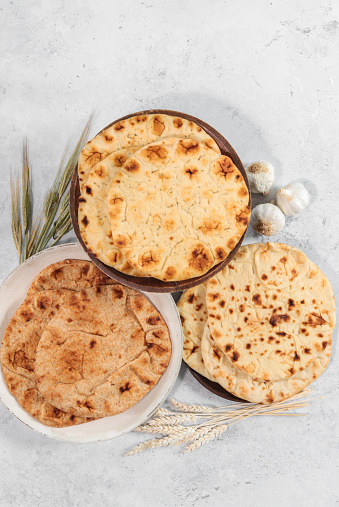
<point>82,347</point>
<point>158,199</point>
<point>261,328</point>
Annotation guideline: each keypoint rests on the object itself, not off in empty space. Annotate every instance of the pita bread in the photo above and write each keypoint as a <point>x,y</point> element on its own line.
<point>193,314</point>
<point>102,353</point>
<point>137,131</point>
<point>177,209</point>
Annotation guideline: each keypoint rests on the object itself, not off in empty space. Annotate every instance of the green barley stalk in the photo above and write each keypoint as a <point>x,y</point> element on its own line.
<point>62,219</point>
<point>50,207</point>
<point>26,207</point>
<point>64,230</point>
<point>15,213</point>
<point>52,221</point>
<point>33,235</point>
<point>57,227</point>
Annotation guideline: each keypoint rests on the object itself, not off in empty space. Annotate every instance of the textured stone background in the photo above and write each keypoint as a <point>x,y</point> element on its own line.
<point>265,74</point>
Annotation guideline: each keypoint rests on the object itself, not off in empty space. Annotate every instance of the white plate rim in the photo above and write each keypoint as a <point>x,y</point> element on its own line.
<point>69,250</point>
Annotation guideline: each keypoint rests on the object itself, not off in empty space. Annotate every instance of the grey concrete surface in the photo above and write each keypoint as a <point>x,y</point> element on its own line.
<point>265,74</point>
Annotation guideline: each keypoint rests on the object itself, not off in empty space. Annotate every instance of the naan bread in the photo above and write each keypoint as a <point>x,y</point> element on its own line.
<point>193,314</point>
<point>271,312</point>
<point>137,131</point>
<point>94,222</point>
<point>244,386</point>
<point>177,209</point>
<point>102,354</point>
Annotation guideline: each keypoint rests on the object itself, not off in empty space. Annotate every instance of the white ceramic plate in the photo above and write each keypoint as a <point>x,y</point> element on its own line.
<point>13,292</point>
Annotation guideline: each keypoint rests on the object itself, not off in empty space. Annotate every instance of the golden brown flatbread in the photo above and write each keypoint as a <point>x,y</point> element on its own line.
<point>98,164</point>
<point>136,131</point>
<point>177,209</point>
<point>93,218</point>
<point>193,313</point>
<point>244,386</point>
<point>102,353</point>
<point>271,312</point>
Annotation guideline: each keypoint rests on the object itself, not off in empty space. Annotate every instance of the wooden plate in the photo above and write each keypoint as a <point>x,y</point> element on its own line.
<point>214,387</point>
<point>152,284</point>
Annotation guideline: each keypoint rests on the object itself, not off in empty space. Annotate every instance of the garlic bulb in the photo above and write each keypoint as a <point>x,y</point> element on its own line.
<point>267,219</point>
<point>260,176</point>
<point>293,198</point>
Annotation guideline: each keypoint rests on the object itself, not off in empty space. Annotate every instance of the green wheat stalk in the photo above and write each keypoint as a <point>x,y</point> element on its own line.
<point>53,219</point>
<point>15,213</point>
<point>26,190</point>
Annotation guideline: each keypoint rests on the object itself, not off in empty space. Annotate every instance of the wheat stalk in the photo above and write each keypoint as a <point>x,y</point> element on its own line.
<point>173,419</point>
<point>15,213</point>
<point>62,224</point>
<point>64,230</point>
<point>161,428</point>
<point>191,408</point>
<point>26,208</point>
<point>211,435</point>
<point>52,221</point>
<point>213,421</point>
<point>156,442</point>
<point>34,232</point>
<point>194,435</point>
<point>162,411</point>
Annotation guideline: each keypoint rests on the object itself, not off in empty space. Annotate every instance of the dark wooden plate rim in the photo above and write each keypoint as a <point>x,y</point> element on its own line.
<point>152,284</point>
<point>214,387</point>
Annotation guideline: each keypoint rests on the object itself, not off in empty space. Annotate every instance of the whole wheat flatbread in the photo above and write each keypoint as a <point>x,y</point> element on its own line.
<point>50,289</point>
<point>137,131</point>
<point>193,313</point>
<point>177,209</point>
<point>71,274</point>
<point>18,355</point>
<point>102,354</point>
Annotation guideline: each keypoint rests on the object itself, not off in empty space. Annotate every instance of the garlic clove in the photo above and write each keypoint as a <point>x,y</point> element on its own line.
<point>267,219</point>
<point>293,198</point>
<point>260,176</point>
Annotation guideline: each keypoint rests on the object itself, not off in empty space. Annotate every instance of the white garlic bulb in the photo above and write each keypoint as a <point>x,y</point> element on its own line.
<point>293,198</point>
<point>260,176</point>
<point>267,219</point>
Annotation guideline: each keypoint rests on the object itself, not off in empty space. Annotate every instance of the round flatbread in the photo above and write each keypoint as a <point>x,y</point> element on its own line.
<point>137,131</point>
<point>240,384</point>
<point>18,355</point>
<point>177,209</point>
<point>93,219</point>
<point>71,274</point>
<point>103,353</point>
<point>193,313</point>
<point>271,311</point>
<point>49,291</point>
